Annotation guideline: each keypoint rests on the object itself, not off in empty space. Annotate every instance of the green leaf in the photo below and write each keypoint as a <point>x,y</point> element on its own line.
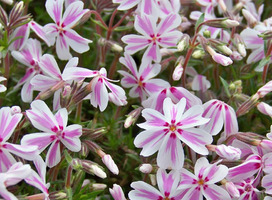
<point>98,23</point>
<point>262,63</point>
<point>123,28</point>
<point>226,86</point>
<point>67,156</point>
<point>199,21</point>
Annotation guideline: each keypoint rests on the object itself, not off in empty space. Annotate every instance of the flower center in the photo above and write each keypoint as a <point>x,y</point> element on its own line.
<point>248,188</point>
<point>201,182</point>
<point>172,127</point>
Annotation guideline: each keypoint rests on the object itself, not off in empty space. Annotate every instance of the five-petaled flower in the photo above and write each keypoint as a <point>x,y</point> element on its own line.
<point>164,132</point>
<point>55,131</point>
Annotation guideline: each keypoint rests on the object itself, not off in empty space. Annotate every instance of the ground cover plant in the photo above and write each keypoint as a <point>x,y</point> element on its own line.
<point>135,99</point>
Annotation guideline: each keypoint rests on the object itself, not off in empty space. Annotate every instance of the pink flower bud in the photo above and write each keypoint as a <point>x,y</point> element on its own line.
<point>221,59</point>
<point>265,108</point>
<point>265,89</point>
<point>177,72</point>
<point>15,110</point>
<point>228,152</point>
<point>146,168</point>
<point>236,56</point>
<point>117,192</point>
<point>232,189</point>
<point>249,17</point>
<point>108,161</point>
<point>99,186</point>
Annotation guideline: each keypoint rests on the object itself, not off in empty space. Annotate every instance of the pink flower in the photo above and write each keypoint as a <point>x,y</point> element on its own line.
<point>265,108</point>
<point>16,173</point>
<point>247,189</point>
<point>153,35</point>
<point>99,94</point>
<point>167,183</point>
<point>146,6</point>
<point>264,90</point>
<point>164,133</point>
<point>117,192</point>
<point>62,30</point>
<point>55,130</point>
<point>30,56</point>
<point>8,123</point>
<point>228,152</point>
<point>141,81</point>
<point>202,182</point>
<point>220,113</point>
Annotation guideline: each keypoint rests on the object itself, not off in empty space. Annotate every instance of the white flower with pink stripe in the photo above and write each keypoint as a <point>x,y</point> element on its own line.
<point>165,132</point>
<point>55,131</point>
<point>153,35</point>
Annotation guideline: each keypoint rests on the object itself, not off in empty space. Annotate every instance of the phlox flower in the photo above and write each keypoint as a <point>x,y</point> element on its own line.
<point>99,95</point>
<point>153,35</point>
<point>220,113</point>
<point>165,132</point>
<point>62,31</point>
<point>202,182</point>
<point>30,55</point>
<point>55,131</point>
<point>155,101</point>
<point>166,7</point>
<point>8,123</point>
<point>52,77</point>
<point>16,173</point>
<point>167,183</point>
<point>141,81</point>
<point>248,189</point>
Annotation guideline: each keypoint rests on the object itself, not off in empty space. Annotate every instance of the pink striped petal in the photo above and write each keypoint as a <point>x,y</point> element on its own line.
<point>135,43</point>
<point>38,29</point>
<point>53,154</point>
<point>153,118</point>
<point>22,31</point>
<point>186,179</point>
<point>42,140</point>
<point>170,22</point>
<point>54,9</point>
<point>155,85</point>
<point>215,192</point>
<point>117,192</point>
<point>170,39</point>
<point>145,25</point>
<point>42,82</point>
<point>56,100</point>
<point>6,160</point>
<point>251,39</point>
<point>150,141</point>
<point>126,4</point>
<point>73,14</point>
<point>62,118</point>
<point>50,66</point>
<point>27,152</point>
<point>143,190</point>
<point>62,47</point>
<point>256,55</point>
<point>231,124</point>
<point>193,194</point>
<point>171,155</point>
<point>73,73</point>
<point>196,139</point>
<point>99,95</point>
<point>153,53</point>
<point>41,117</point>
<point>167,182</point>
<point>129,63</point>
<point>8,123</point>
<point>128,80</point>
<point>267,183</point>
<point>27,92</point>
<point>76,42</point>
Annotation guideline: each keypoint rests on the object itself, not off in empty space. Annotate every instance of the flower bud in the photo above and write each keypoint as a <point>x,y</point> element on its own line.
<point>240,44</point>
<point>219,58</point>
<point>113,45</point>
<point>57,195</point>
<point>84,150</point>
<point>236,56</point>
<point>132,117</point>
<point>117,192</point>
<point>98,186</point>
<point>266,35</point>
<point>178,70</point>
<point>184,42</point>
<point>251,20</point>
<point>265,108</point>
<point>15,110</point>
<point>108,161</point>
<point>247,105</point>
<point>66,91</point>
<point>146,168</point>
<point>93,168</point>
<point>228,152</point>
<point>232,189</point>
<point>207,34</point>
<point>222,23</point>
<point>198,54</point>
<point>249,138</point>
<point>9,2</point>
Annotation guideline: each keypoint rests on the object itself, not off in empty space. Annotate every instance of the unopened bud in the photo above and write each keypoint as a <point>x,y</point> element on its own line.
<point>153,179</point>
<point>247,105</point>
<point>84,150</point>
<point>15,110</point>
<point>232,189</point>
<point>108,161</point>
<point>228,152</point>
<point>93,168</point>
<point>113,45</point>
<point>132,117</point>
<point>76,164</point>
<point>117,192</point>
<point>184,42</point>
<point>198,54</point>
<point>9,2</point>
<point>207,34</point>
<point>57,195</point>
<point>98,186</point>
<point>240,44</point>
<point>229,23</point>
<point>178,71</point>
<point>66,91</point>
<point>222,23</point>
<point>219,58</point>
<point>236,56</point>
<point>249,138</point>
<point>18,7</point>
<point>224,49</point>
<point>146,168</point>
<point>251,20</point>
<point>266,35</point>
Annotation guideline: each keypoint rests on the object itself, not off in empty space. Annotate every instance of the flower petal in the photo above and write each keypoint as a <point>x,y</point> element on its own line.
<point>143,190</point>
<point>53,154</point>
